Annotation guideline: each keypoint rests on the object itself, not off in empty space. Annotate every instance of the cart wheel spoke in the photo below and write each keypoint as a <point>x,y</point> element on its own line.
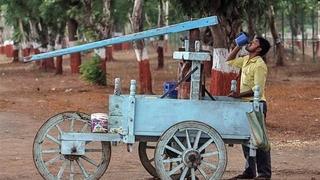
<point>151,147</point>
<point>210,154</point>
<point>59,129</point>
<point>179,143</point>
<point>72,125</point>
<point>202,172</point>
<point>212,166</point>
<point>196,142</point>
<point>205,145</point>
<point>50,151</point>
<point>188,139</point>
<point>53,139</point>
<point>193,174</point>
<point>62,168</point>
<point>85,127</point>
<point>176,169</point>
<point>151,160</point>
<point>89,160</point>
<point>93,150</point>
<point>173,150</point>
<point>71,170</point>
<point>172,160</point>
<point>184,173</point>
<point>53,160</point>
<point>83,170</point>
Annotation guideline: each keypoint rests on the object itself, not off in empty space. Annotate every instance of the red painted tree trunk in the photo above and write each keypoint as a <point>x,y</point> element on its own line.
<point>75,62</point>
<point>318,47</point>
<point>9,50</point>
<point>207,65</point>
<point>109,54</point>
<point>221,73</point>
<point>145,79</point>
<point>25,50</point>
<point>1,49</point>
<point>35,50</point>
<point>75,58</point>
<point>59,61</point>
<point>160,56</point>
<point>15,54</point>
<point>47,64</point>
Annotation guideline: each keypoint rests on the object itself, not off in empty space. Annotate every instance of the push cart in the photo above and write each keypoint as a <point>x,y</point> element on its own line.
<point>178,138</point>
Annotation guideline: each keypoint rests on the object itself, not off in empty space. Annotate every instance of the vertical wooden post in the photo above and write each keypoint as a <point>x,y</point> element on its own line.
<point>195,86</point>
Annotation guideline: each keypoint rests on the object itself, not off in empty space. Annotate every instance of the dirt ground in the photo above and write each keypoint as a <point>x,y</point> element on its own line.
<point>28,97</point>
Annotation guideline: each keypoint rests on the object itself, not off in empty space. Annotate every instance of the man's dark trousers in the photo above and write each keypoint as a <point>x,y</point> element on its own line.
<point>262,159</point>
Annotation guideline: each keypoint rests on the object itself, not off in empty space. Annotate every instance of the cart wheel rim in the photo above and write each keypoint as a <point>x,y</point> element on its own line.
<point>52,164</point>
<point>146,156</point>
<point>190,149</point>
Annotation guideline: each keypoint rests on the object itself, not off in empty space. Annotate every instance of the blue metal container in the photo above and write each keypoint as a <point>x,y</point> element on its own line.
<point>242,39</point>
<point>167,86</point>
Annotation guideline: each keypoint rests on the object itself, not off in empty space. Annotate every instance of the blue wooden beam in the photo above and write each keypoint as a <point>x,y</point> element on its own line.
<point>185,26</point>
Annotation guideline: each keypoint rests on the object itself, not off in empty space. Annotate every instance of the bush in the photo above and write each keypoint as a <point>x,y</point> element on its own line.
<point>91,71</point>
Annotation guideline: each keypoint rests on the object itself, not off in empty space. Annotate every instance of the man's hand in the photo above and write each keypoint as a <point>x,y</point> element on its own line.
<point>234,95</point>
<point>240,95</point>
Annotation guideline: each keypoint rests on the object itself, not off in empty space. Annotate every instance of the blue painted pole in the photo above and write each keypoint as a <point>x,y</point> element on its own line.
<point>203,22</point>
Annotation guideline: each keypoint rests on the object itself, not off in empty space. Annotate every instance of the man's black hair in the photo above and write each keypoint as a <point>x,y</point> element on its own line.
<point>264,45</point>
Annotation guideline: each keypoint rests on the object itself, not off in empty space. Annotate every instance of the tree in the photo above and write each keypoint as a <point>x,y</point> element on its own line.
<point>54,12</point>
<point>145,78</point>
<point>161,38</point>
<point>14,11</point>
<point>275,35</point>
<point>223,35</point>
<point>98,23</point>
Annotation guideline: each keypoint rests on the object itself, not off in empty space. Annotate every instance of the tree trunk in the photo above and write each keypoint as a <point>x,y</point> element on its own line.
<point>145,79</point>
<point>251,29</point>
<point>317,33</point>
<point>24,45</point>
<point>166,18</point>
<point>34,38</point>
<point>106,29</point>
<point>161,38</point>
<point>223,35</point>
<point>75,58</point>
<point>59,59</point>
<point>15,54</point>
<point>275,35</point>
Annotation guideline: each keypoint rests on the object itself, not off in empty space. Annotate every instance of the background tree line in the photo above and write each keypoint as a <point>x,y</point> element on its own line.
<point>45,24</point>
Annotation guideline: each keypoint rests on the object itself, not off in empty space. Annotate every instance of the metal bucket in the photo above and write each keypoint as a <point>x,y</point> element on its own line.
<point>99,122</point>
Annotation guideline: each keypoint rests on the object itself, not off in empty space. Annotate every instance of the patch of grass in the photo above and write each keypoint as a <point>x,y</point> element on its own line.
<point>91,71</point>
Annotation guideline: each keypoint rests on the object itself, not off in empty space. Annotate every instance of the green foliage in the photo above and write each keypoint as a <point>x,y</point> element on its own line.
<point>151,10</point>
<point>120,13</point>
<point>90,71</point>
<point>17,36</point>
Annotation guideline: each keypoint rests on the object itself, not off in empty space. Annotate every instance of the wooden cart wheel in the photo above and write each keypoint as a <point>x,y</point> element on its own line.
<point>47,156</point>
<point>146,155</point>
<point>199,151</point>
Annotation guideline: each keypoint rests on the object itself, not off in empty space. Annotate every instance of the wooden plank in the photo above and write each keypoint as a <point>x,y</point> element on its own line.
<point>90,137</point>
<point>192,56</point>
<point>203,22</point>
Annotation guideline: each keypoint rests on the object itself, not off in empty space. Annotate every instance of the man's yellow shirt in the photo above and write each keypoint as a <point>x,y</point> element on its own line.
<point>254,72</point>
